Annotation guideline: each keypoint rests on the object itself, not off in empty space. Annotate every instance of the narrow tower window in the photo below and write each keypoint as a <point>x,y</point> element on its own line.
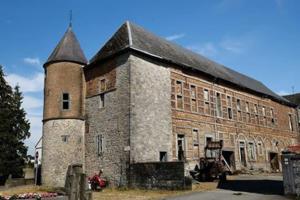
<point>101,101</point>
<point>66,101</point>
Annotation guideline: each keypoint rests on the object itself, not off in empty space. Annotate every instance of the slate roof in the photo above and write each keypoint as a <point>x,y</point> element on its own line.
<point>133,37</point>
<point>294,98</point>
<point>68,49</point>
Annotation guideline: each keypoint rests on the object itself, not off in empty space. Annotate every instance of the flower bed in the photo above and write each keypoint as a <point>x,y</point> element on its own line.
<point>30,196</point>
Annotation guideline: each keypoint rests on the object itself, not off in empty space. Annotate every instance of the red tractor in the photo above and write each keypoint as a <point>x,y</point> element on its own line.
<point>96,182</point>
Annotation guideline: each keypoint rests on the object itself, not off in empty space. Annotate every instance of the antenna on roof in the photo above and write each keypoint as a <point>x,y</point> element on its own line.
<point>293,90</point>
<point>70,19</point>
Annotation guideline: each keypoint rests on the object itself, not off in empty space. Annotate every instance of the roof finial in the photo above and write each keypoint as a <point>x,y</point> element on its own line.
<point>70,22</point>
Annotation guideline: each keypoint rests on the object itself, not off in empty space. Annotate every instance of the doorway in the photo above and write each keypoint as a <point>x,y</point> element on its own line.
<point>229,158</point>
<point>243,154</point>
<point>274,162</point>
<point>180,147</point>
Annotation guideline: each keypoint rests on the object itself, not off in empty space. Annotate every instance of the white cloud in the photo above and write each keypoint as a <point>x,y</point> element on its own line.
<point>234,46</point>
<point>32,61</point>
<point>207,49</point>
<point>283,92</point>
<point>175,36</point>
<point>27,84</point>
<point>30,102</point>
<point>36,132</point>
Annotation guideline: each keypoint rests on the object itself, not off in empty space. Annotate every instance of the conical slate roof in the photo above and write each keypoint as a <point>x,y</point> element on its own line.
<point>68,49</point>
<point>133,37</point>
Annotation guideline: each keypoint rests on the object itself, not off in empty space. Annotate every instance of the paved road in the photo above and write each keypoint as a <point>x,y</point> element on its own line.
<point>221,194</point>
<point>243,187</point>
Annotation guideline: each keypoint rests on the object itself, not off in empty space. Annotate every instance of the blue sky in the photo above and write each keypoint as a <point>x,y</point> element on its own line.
<point>257,38</point>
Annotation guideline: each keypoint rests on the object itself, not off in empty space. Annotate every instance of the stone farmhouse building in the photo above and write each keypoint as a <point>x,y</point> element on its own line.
<point>142,98</point>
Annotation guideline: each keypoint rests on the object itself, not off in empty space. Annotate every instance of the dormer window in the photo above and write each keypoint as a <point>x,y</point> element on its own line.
<point>65,101</point>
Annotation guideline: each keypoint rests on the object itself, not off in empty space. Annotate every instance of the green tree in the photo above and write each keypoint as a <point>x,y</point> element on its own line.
<point>14,129</point>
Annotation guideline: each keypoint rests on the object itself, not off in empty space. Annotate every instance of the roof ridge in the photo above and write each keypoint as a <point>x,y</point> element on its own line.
<point>129,33</point>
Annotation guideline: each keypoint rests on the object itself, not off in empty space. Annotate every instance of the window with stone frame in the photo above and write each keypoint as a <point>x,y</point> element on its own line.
<point>248,118</point>
<point>65,138</point>
<point>99,144</point>
<point>247,106</point>
<point>255,108</point>
<point>259,148</point>
<point>263,111</point>
<point>196,143</point>
<point>194,106</point>
<point>206,95</point>
<point>257,119</point>
<point>102,100</point>
<point>272,116</point>
<point>229,107</point>
<point>218,105</point>
<point>102,85</point>
<point>238,104</point>
<point>251,151</point>
<point>179,95</point>
<point>206,108</point>
<point>65,101</point>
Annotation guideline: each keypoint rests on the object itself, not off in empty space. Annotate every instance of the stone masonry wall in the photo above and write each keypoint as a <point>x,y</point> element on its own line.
<point>62,145</point>
<point>111,122</point>
<point>150,116</point>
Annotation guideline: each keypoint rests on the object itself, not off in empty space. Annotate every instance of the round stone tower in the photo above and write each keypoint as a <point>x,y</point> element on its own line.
<point>63,120</point>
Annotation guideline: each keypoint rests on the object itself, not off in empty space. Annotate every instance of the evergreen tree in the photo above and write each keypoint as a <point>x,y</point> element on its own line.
<point>14,129</point>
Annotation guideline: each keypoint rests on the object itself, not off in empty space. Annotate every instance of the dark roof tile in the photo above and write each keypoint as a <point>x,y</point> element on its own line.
<point>68,49</point>
<point>131,36</point>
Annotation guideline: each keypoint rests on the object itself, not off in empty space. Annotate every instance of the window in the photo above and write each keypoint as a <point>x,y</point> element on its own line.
<point>179,87</point>
<point>179,102</point>
<point>218,105</point>
<point>255,108</point>
<point>101,100</point>
<point>247,106</point>
<point>103,85</point>
<point>229,113</point>
<point>240,115</point>
<point>251,150</point>
<point>64,138</point>
<point>259,148</point>
<point>272,112</point>
<point>206,108</point>
<point>193,92</point>
<point>229,105</point>
<point>193,98</point>
<point>248,118</point>
<point>99,143</point>
<point>65,101</point>
<point>163,156</point>
<point>265,121</point>
<point>257,119</point>
<point>195,144</point>
<point>238,104</point>
<point>264,111</point>
<point>195,137</point>
<point>291,122</point>
<point>206,95</point>
<point>194,105</point>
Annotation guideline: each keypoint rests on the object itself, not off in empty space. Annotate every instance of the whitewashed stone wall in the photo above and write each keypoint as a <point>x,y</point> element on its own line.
<point>57,154</point>
<point>150,113</point>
